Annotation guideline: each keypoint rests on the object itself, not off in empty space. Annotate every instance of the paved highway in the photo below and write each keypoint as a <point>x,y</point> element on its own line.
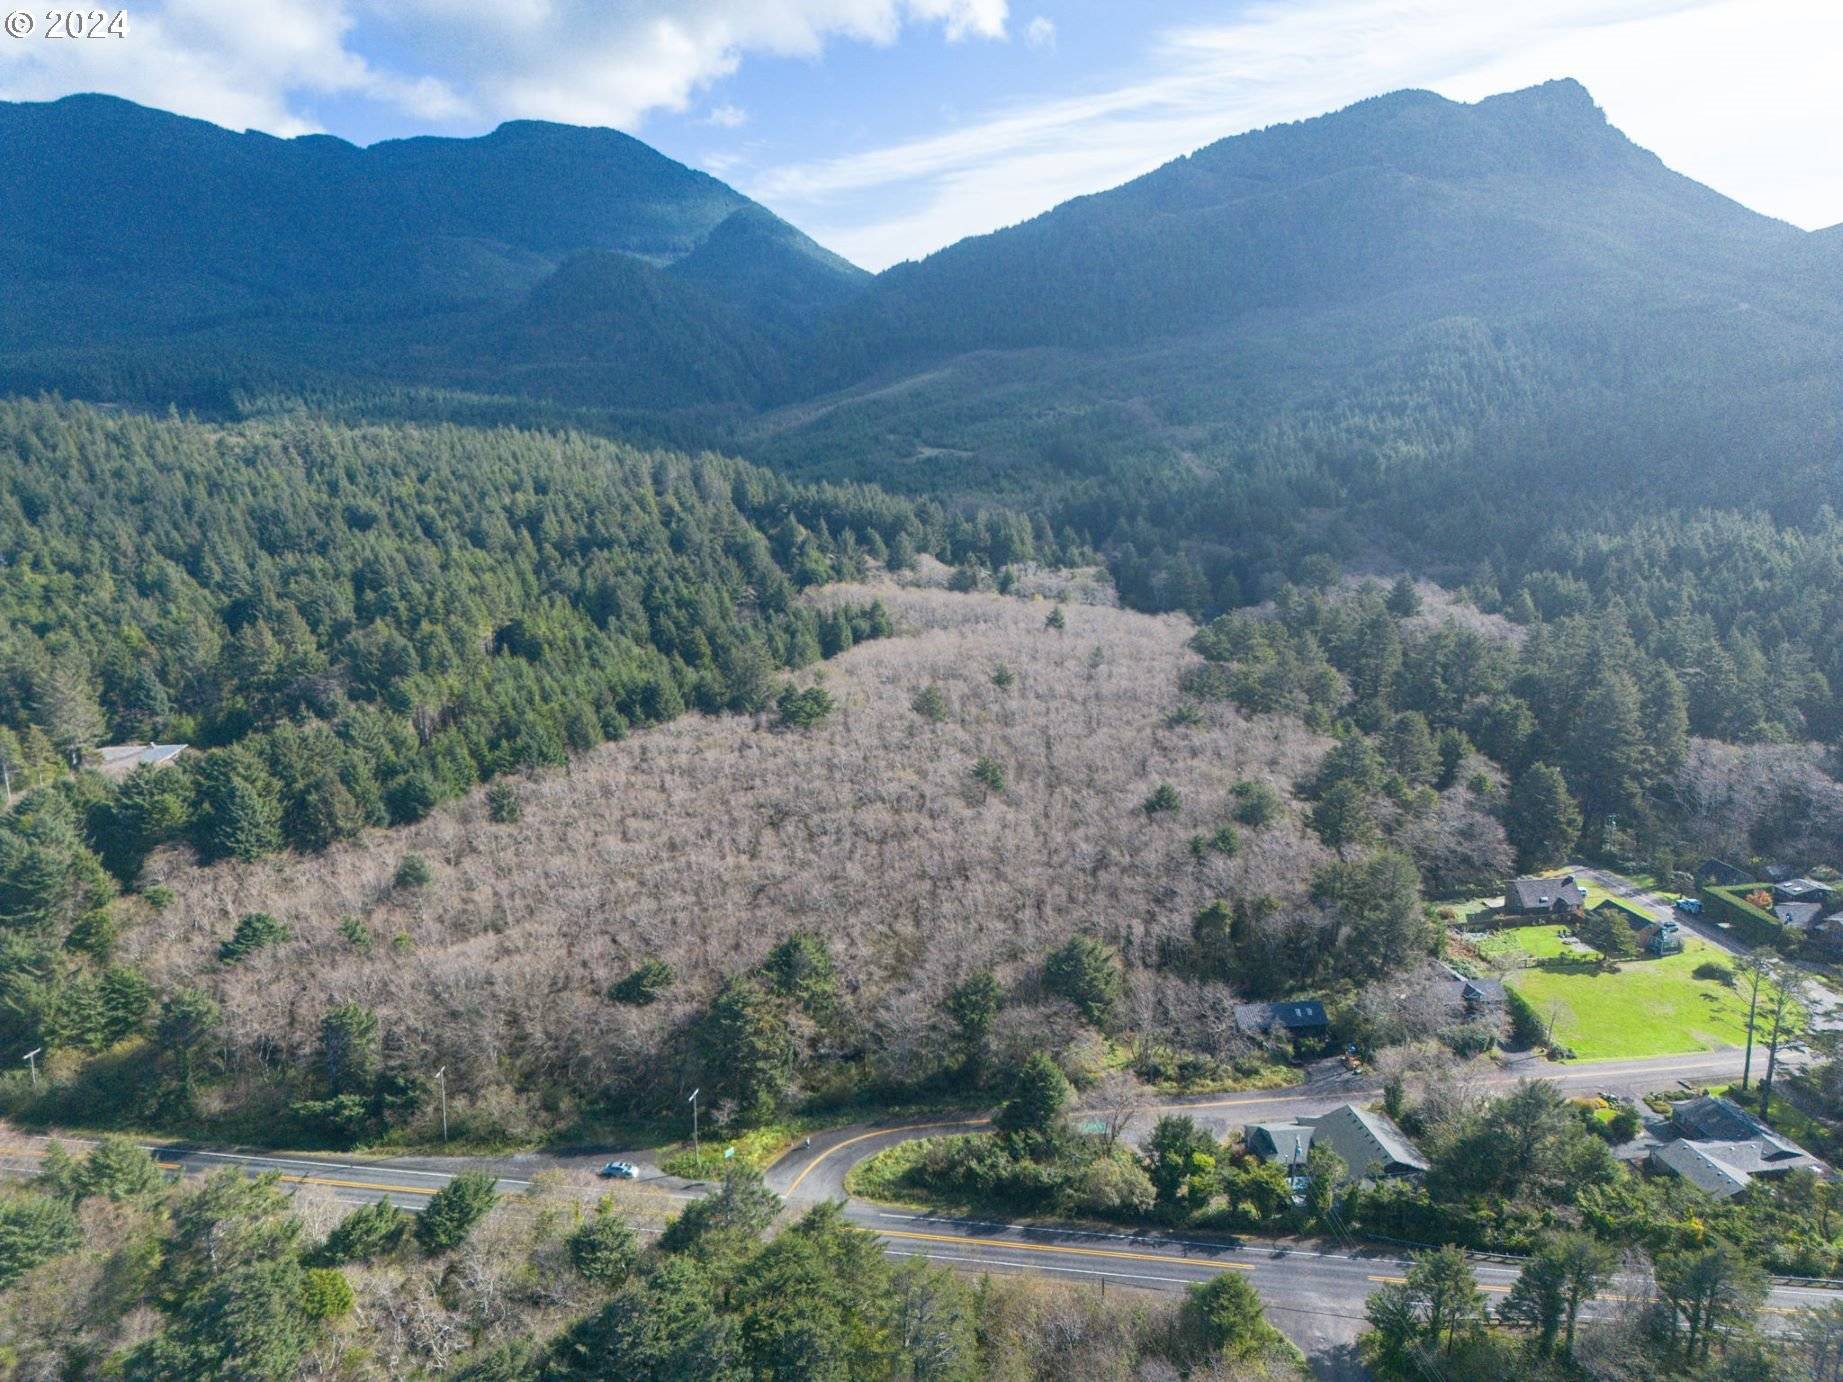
<point>1315,1290</point>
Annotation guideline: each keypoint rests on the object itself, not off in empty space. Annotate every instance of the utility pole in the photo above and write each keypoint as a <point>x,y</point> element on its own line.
<point>31,1059</point>
<point>441,1083</point>
<point>696,1152</point>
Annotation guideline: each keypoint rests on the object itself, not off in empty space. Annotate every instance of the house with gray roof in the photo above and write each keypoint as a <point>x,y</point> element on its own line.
<point>1482,994</point>
<point>1284,1144</point>
<point>116,761</point>
<point>1797,916</point>
<point>1802,890</point>
<point>1526,896</point>
<point>1721,1148</point>
<point>1300,1018</point>
<point>1368,1143</point>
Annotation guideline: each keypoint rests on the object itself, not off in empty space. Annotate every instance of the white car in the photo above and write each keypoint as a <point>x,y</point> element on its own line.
<point>620,1170</point>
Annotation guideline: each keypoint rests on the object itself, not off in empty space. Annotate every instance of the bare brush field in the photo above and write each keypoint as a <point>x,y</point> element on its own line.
<point>706,841</point>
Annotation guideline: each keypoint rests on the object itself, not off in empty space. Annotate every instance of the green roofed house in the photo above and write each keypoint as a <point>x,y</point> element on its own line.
<point>1368,1143</point>
<point>1284,1144</point>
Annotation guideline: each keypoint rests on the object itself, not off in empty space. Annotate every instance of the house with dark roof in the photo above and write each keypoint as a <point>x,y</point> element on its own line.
<point>1721,1148</point>
<point>1721,873</point>
<point>1805,890</point>
<point>1304,1017</point>
<point>1528,896</point>
<point>1482,994</point>
<point>1827,933</point>
<point>1368,1143</point>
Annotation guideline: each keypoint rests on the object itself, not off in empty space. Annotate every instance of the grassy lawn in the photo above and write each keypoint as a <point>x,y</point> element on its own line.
<point>1648,1008</point>
<point>1538,942</point>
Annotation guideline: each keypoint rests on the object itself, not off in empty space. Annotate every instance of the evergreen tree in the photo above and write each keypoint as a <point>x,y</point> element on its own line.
<point>746,1049</point>
<point>603,1249</point>
<point>1030,1120</point>
<point>973,1005</point>
<point>451,1213</point>
<point>1541,818</point>
<point>1087,973</point>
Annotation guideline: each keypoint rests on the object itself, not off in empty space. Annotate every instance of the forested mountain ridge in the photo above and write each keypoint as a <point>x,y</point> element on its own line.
<point>1406,192</point>
<point>148,240</point>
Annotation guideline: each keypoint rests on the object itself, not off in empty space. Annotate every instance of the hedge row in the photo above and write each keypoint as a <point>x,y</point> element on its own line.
<point>1750,923</point>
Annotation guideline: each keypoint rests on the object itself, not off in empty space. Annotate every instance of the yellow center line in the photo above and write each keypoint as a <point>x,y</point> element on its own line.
<point>1009,1246</point>
<point>879,1132</point>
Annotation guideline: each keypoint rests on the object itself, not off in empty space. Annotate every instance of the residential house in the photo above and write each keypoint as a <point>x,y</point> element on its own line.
<point>1369,1143</point>
<point>1304,1018</point>
<point>1482,995</point>
<point>1284,1144</point>
<point>1528,896</point>
<point>116,761</point>
<point>1802,890</point>
<point>1721,874</point>
<point>1658,938</point>
<point>1827,934</point>
<point>1721,1148</point>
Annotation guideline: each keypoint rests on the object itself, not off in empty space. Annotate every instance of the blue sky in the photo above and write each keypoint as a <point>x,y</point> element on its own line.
<point>888,128</point>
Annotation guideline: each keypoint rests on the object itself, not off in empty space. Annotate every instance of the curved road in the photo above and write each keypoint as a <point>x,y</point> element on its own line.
<point>1314,1289</point>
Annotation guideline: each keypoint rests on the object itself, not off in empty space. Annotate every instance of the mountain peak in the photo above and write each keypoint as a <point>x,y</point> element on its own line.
<point>1560,104</point>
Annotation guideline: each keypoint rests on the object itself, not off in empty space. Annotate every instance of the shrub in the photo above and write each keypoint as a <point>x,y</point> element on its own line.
<point>1469,1039</point>
<point>1056,620</point>
<point>1002,677</point>
<point>159,897</point>
<point>1187,713</point>
<point>454,1210</point>
<point>989,773</point>
<point>413,872</point>
<point>355,933</point>
<point>1164,798</point>
<point>254,931</point>
<point>326,1294</point>
<point>502,804</point>
<point>1527,1027</point>
<point>644,985</point>
<point>930,704</point>
<point>1222,840</point>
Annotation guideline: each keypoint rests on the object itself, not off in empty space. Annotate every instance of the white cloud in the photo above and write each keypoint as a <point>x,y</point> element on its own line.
<point>1040,32</point>
<point>727,117</point>
<point>581,61</point>
<point>214,60</point>
<point>1738,93</point>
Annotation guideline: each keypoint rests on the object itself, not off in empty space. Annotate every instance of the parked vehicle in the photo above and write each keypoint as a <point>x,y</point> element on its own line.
<point>1691,906</point>
<point>620,1170</point>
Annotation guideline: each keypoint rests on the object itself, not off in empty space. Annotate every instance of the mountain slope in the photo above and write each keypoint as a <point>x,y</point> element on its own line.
<point>1328,311</point>
<point>169,238</point>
